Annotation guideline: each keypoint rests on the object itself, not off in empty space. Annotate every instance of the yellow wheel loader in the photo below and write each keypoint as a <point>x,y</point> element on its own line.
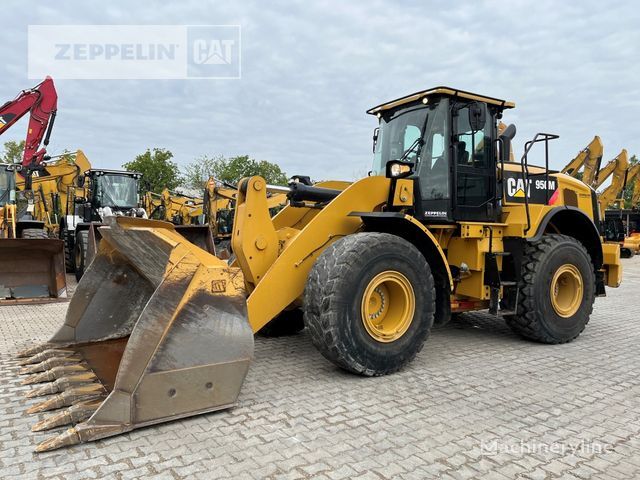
<point>160,330</point>
<point>31,263</point>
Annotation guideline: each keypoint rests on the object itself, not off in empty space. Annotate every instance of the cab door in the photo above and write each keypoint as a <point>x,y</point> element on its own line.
<point>473,160</point>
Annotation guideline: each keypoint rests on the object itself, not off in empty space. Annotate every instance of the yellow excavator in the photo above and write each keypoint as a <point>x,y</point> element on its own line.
<point>158,329</point>
<point>588,159</point>
<point>612,203</point>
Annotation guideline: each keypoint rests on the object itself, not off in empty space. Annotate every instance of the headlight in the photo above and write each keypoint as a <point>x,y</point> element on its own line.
<point>399,169</point>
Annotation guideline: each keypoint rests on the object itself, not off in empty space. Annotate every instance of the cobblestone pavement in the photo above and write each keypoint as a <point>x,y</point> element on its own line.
<point>478,402</point>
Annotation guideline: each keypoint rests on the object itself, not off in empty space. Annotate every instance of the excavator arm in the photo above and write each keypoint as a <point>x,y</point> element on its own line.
<point>41,102</point>
<point>619,172</point>
<point>589,158</point>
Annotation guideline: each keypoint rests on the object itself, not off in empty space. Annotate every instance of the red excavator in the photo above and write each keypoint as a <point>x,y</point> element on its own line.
<point>41,102</point>
<point>31,264</point>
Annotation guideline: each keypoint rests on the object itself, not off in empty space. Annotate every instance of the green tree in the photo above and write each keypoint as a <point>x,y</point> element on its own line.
<point>231,170</point>
<point>13,152</point>
<point>628,190</point>
<point>157,168</point>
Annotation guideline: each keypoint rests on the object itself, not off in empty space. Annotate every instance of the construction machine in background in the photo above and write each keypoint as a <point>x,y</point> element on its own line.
<point>41,103</point>
<point>104,193</point>
<point>619,226</point>
<point>54,184</point>
<point>586,164</point>
<point>31,263</point>
<point>186,212</point>
<point>177,208</point>
<point>160,329</point>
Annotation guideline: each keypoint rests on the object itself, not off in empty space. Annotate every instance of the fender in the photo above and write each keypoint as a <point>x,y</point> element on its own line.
<point>407,226</point>
<point>573,222</point>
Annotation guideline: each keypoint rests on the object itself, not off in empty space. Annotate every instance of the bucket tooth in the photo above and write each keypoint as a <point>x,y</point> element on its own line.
<point>76,413</point>
<point>31,351</point>
<point>49,364</point>
<point>62,383</point>
<point>66,439</point>
<point>46,355</point>
<point>70,396</point>
<point>56,372</point>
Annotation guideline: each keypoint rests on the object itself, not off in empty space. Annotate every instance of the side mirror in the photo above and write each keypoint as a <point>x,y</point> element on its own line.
<point>376,131</point>
<point>477,116</point>
<point>399,169</point>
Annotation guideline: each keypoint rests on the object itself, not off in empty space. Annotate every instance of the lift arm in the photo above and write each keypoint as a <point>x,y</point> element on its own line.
<point>41,102</point>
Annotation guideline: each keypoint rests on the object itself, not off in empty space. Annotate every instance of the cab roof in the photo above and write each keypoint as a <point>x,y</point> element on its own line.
<point>447,91</point>
<point>124,173</point>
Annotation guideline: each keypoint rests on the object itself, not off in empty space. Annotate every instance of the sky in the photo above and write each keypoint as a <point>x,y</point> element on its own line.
<point>310,70</point>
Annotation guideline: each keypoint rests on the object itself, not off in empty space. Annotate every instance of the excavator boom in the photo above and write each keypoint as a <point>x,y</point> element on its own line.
<point>589,158</point>
<point>618,171</point>
<point>41,102</point>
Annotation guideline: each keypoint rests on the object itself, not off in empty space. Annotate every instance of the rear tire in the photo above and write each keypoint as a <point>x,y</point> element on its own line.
<point>369,303</point>
<point>289,322</point>
<point>557,291</point>
<point>80,253</point>
<point>35,233</point>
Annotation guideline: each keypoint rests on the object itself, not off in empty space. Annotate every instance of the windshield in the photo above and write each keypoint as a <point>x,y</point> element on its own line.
<point>117,191</point>
<point>399,135</point>
<point>7,185</point>
<point>418,132</point>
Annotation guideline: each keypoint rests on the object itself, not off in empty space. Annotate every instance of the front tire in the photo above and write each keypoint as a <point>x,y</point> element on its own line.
<point>369,303</point>
<point>34,233</point>
<point>557,291</point>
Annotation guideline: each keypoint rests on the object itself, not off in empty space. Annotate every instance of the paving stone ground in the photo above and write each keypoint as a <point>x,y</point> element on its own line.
<point>478,402</point>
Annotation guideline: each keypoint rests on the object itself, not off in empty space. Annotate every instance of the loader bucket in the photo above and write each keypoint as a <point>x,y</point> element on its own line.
<point>199,235</point>
<point>32,270</point>
<point>160,326</point>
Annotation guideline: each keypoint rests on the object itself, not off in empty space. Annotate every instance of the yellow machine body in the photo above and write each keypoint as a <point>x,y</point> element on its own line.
<point>182,339</point>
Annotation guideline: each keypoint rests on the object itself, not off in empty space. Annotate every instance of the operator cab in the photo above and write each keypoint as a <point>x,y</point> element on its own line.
<point>110,192</point>
<point>445,141</point>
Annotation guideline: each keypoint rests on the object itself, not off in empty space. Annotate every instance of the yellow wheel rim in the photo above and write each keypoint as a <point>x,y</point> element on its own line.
<point>566,290</point>
<point>388,306</point>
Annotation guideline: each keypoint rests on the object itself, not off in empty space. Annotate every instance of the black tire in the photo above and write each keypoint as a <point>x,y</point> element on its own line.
<point>80,253</point>
<point>289,322</point>
<point>333,297</point>
<point>536,318</point>
<point>69,260</point>
<point>36,233</point>
<point>626,252</point>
